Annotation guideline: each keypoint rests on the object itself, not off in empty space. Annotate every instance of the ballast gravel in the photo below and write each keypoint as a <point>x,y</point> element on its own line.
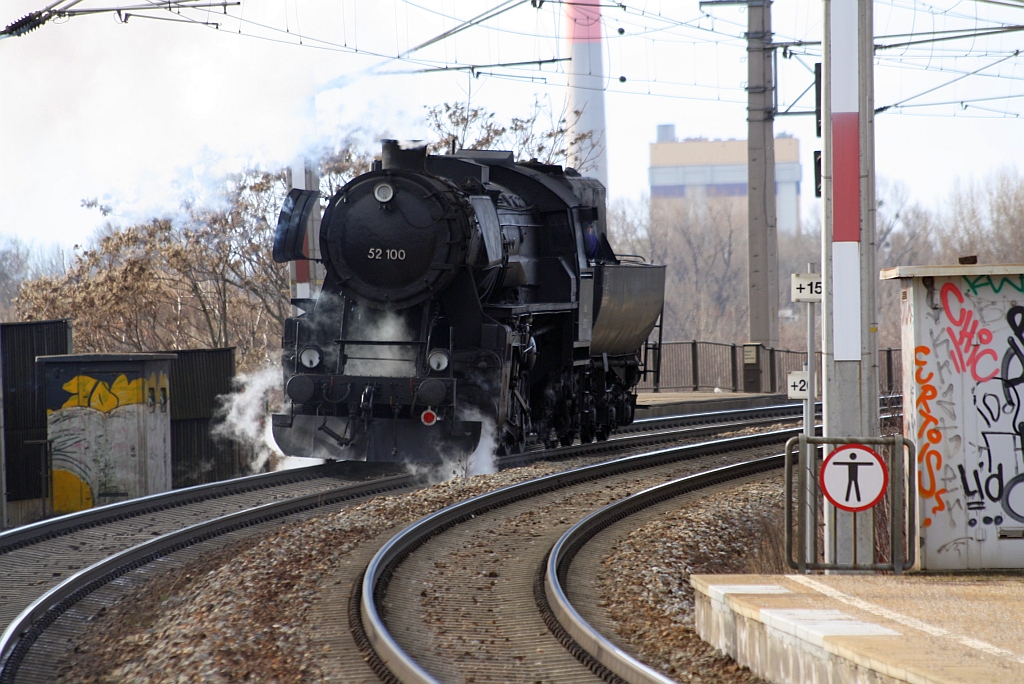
<point>645,581</point>
<point>246,619</point>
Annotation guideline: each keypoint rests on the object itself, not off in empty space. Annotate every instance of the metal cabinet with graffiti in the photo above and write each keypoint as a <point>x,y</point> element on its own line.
<point>108,424</point>
<point>963,380</point>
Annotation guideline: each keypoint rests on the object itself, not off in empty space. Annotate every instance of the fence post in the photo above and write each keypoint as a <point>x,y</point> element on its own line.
<point>888,370</point>
<point>773,371</point>
<point>694,366</point>
<point>735,372</point>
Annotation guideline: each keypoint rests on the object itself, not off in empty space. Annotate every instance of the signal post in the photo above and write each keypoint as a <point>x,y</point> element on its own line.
<point>850,373</point>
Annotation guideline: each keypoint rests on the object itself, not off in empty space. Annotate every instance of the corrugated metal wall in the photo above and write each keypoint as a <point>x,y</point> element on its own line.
<point>24,405</point>
<point>197,378</point>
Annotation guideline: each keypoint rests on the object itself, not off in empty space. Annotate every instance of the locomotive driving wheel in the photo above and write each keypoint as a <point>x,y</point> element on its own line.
<point>517,424</point>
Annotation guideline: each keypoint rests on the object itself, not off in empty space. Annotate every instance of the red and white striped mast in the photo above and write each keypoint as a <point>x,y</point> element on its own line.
<point>849,325</point>
<point>586,86</point>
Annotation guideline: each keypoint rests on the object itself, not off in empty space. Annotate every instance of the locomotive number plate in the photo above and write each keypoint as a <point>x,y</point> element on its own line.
<point>388,254</point>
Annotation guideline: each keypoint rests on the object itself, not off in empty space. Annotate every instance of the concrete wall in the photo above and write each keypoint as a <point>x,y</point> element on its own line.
<point>699,151</point>
<point>695,169</point>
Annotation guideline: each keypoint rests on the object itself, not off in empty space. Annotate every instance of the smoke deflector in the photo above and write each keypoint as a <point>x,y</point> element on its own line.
<point>291,224</point>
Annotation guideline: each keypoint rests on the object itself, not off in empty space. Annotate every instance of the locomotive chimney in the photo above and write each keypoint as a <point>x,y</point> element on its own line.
<point>409,155</point>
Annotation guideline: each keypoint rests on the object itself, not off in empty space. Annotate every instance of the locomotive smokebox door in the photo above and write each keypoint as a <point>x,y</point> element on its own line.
<point>752,368</point>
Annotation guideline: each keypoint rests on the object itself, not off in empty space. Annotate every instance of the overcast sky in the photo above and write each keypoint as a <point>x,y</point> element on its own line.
<point>146,114</point>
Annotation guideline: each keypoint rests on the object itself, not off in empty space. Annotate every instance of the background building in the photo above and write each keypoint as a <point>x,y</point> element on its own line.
<point>697,168</point>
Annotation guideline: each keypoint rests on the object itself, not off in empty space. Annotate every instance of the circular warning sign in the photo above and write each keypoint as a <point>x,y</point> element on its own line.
<point>854,477</point>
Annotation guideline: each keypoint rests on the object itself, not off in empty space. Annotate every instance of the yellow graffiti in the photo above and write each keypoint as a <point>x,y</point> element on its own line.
<point>70,493</point>
<point>95,394</point>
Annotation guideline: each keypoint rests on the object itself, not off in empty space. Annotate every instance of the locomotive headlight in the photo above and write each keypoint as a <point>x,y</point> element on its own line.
<point>437,360</point>
<point>310,357</point>
<point>383,192</point>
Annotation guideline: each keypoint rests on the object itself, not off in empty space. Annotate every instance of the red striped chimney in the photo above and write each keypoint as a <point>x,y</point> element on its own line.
<point>586,81</point>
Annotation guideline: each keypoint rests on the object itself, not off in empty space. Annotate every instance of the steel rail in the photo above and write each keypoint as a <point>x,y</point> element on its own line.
<point>576,537</point>
<point>706,417</point>
<point>656,430</point>
<point>19,636</point>
<point>65,524</point>
<point>643,430</point>
<point>661,429</point>
<point>390,661</point>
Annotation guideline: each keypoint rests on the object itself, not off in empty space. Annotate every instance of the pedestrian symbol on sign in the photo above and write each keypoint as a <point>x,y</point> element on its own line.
<point>854,477</point>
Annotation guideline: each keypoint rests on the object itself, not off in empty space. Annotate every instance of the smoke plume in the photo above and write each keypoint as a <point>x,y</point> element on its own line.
<point>379,360</point>
<point>244,418</point>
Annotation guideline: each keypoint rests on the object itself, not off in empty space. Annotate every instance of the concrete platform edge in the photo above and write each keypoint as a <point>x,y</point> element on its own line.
<point>866,629</point>
<point>727,402</point>
<point>776,656</point>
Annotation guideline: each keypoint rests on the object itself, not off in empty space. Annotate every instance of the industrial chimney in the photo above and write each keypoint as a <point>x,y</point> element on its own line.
<point>586,82</point>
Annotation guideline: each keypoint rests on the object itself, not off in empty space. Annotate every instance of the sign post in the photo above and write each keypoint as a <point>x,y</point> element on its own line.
<point>807,287</point>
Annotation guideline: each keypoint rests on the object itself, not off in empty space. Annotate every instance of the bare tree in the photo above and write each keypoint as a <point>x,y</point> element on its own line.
<point>702,241</point>
<point>340,164</point>
<point>543,134</point>
<point>14,267</point>
<point>795,252</point>
<point>207,280</point>
<point>629,227</point>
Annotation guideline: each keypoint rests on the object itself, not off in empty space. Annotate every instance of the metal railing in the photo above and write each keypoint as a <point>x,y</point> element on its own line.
<point>893,549</point>
<point>695,366</point>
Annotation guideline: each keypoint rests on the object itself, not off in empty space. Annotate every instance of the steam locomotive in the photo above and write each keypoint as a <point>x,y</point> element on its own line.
<point>464,295</point>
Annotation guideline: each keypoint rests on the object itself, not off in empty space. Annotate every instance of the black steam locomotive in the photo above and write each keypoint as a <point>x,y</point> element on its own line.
<point>461,291</point>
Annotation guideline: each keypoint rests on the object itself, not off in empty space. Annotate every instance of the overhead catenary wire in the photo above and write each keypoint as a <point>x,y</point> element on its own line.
<point>655,31</point>
<point>879,110</point>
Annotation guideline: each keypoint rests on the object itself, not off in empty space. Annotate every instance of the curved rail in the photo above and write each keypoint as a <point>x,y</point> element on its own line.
<point>659,430</point>
<point>54,527</point>
<point>390,660</point>
<point>19,636</point>
<point>645,432</point>
<point>565,549</point>
<point>699,424</point>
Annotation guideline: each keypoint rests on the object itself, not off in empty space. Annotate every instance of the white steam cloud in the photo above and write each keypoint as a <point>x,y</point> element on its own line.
<point>244,418</point>
<point>379,360</point>
<point>482,461</point>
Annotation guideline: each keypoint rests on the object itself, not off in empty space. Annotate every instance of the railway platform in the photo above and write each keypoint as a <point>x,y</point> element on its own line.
<point>841,629</point>
<point>655,404</point>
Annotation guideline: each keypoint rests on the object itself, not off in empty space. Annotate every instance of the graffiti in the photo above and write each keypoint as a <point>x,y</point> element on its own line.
<point>100,423</point>
<point>1013,356</point>
<point>940,341</point>
<point>966,340</point>
<point>958,545</point>
<point>928,454</point>
<point>976,283</point>
<point>967,354</point>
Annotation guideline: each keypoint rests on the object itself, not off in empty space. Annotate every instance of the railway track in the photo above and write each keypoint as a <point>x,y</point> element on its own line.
<point>648,432</point>
<point>50,566</point>
<point>568,603</point>
<point>436,599</point>
<point>54,565</point>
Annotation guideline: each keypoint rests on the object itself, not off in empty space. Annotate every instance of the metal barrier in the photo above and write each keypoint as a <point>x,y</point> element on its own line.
<point>695,366</point>
<point>902,503</point>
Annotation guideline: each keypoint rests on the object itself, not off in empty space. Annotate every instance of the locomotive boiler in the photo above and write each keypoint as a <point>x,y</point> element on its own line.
<point>464,295</point>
